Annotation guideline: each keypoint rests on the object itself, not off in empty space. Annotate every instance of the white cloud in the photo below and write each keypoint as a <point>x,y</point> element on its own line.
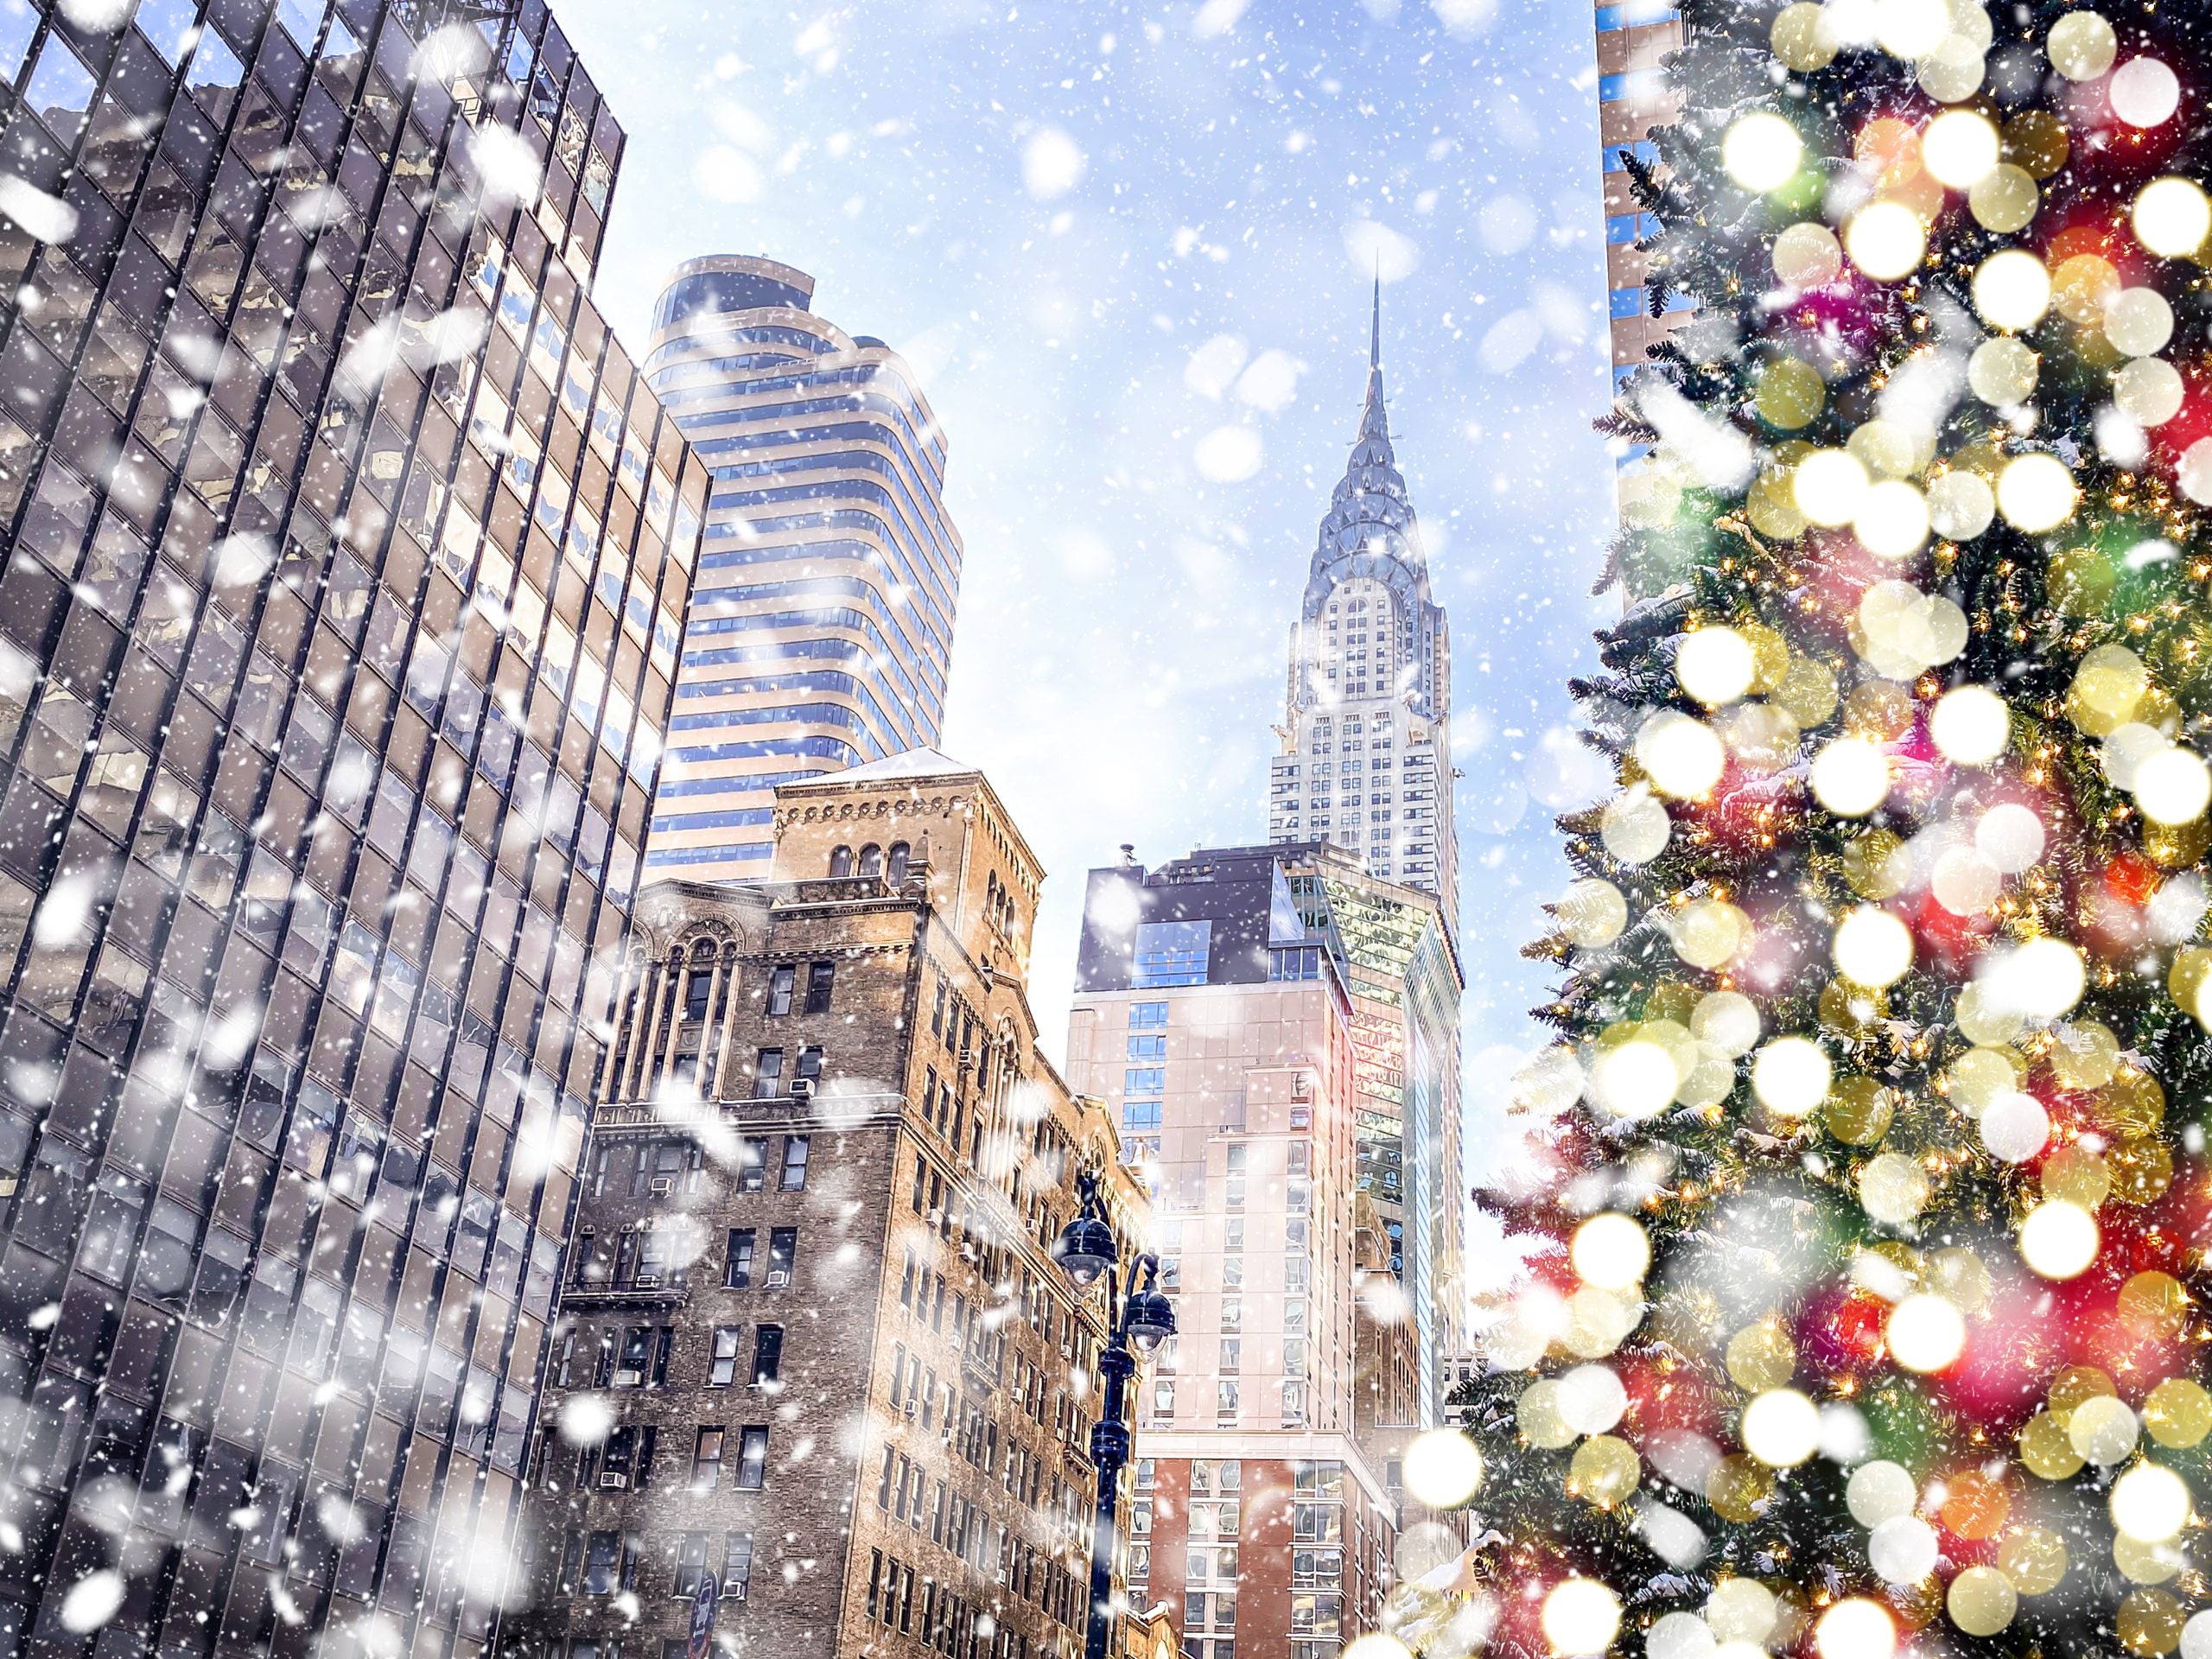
<point>1464,18</point>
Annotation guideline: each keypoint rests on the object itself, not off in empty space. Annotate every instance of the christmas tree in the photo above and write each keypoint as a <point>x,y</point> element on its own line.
<point>1867,1302</point>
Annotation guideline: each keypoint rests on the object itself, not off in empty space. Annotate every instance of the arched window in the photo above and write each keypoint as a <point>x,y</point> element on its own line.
<point>900,853</point>
<point>841,860</point>
<point>871,860</point>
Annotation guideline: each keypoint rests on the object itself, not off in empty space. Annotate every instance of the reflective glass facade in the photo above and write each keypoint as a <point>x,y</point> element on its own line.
<point>337,636</point>
<point>823,625</point>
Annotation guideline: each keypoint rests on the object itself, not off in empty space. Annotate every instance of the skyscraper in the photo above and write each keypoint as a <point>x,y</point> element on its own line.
<point>1633,35</point>
<point>821,628</point>
<point>1366,760</point>
<point>339,628</point>
<point>1214,1015</point>
<point>812,1275</point>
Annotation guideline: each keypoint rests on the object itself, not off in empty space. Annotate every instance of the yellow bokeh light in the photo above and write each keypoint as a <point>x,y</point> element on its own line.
<point>2011,289</point>
<point>2058,1239</point>
<point>1442,1468</point>
<point>1971,724</point>
<point>1926,1332</point>
<point>1828,486</point>
<point>1611,1250</point>
<point>1960,146</point>
<point>1683,758</point>
<point>1581,1616</point>
<point>1856,1628</point>
<point>2171,218</point>
<point>2036,492</point>
<point>1761,152</point>
<point>1782,1428</point>
<point>2150,1503</point>
<point>1851,777</point>
<point>1872,948</point>
<point>1886,240</point>
<point>1715,665</point>
<point>2172,786</point>
<point>1891,521</point>
<point>1791,1076</point>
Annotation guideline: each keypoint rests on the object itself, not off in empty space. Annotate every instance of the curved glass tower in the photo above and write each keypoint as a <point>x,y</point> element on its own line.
<point>821,625</point>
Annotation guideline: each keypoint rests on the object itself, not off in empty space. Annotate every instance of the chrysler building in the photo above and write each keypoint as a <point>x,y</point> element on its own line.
<point>1366,762</point>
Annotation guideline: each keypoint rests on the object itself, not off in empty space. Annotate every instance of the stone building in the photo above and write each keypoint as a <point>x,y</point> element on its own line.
<point>813,1344</point>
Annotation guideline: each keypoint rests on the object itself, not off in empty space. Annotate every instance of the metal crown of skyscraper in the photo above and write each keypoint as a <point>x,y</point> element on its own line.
<point>1366,762</point>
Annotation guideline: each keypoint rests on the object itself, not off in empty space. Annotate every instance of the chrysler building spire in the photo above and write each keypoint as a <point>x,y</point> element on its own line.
<point>1366,762</point>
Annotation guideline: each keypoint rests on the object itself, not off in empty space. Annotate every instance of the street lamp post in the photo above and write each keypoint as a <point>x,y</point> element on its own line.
<point>1087,1253</point>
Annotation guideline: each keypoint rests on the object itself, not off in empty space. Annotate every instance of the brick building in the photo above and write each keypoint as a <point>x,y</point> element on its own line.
<point>813,1344</point>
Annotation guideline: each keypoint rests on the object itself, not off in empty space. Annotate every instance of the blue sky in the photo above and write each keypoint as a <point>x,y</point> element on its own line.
<point>1129,249</point>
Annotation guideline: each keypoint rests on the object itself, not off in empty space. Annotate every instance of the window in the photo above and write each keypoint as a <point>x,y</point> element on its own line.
<point>706,1460</point>
<point>1148,1046</point>
<point>780,981</point>
<point>751,1163</point>
<point>696,988</point>
<point>821,977</point>
<point>737,1271</point>
<point>767,1354</point>
<point>1144,1080</point>
<point>794,1177</point>
<point>841,863</point>
<point>768,1074</point>
<point>1148,1016</point>
<point>783,1247</point>
<point>895,869</point>
<point>690,1564</point>
<point>810,1064</point>
<point>1172,953</point>
<point>752,1459</point>
<point>871,860</point>
<point>737,1565</point>
<point>722,1369</point>
<point>603,1564</point>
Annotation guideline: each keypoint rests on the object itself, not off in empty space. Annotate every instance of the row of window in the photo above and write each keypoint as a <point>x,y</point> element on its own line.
<point>638,1356</point>
<point>605,1563</point>
<point>676,1164</point>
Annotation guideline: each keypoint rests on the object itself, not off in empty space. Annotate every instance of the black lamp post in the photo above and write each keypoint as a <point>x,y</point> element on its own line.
<point>1087,1253</point>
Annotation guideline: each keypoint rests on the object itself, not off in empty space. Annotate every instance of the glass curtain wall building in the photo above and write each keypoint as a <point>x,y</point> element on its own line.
<point>822,629</point>
<point>337,638</point>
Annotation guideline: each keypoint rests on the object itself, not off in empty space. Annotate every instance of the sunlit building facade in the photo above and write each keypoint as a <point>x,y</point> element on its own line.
<point>337,639</point>
<point>1366,762</point>
<point>821,630</point>
<point>811,1287</point>
<point>1214,1014</point>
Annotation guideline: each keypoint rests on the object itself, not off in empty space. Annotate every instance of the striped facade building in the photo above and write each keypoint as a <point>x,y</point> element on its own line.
<point>820,631</point>
<point>1633,35</point>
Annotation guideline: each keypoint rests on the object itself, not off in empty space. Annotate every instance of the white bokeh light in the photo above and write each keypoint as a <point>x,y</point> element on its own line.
<point>2059,1240</point>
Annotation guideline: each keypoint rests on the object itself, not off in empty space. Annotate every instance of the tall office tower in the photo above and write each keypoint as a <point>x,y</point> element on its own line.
<point>346,550</point>
<point>1366,760</point>
<point>1213,1012</point>
<point>812,1277</point>
<point>822,629</point>
<point>1400,965</point>
<point>1633,35</point>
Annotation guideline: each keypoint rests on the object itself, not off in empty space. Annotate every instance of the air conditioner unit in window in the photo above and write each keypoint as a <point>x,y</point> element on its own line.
<point>735,1591</point>
<point>613,1480</point>
<point>802,1088</point>
<point>778,1278</point>
<point>663,1185</point>
<point>648,1282</point>
<point>629,1379</point>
